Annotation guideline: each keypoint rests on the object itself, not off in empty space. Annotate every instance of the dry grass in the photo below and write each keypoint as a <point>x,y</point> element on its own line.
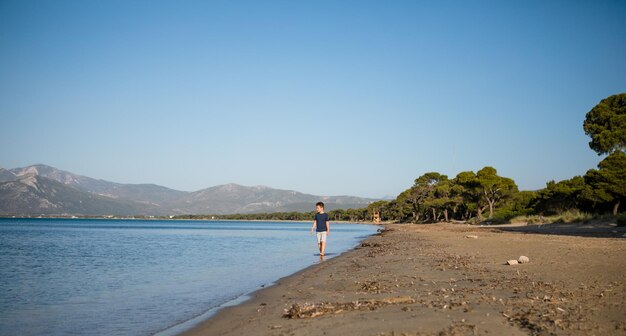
<point>570,216</point>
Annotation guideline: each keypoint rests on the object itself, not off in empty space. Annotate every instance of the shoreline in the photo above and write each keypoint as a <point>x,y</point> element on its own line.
<point>431,279</point>
<point>186,326</point>
<point>189,325</point>
<point>254,295</point>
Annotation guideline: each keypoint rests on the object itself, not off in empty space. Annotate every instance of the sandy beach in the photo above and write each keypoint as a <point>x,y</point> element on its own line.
<point>449,279</point>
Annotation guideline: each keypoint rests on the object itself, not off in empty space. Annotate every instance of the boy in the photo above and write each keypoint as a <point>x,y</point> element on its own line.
<point>323,227</point>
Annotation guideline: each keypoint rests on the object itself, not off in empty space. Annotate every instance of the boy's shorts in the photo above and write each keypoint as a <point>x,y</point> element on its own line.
<point>321,236</point>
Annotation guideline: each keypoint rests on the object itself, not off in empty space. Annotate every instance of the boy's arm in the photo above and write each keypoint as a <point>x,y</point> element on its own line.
<point>312,227</point>
<point>327,228</point>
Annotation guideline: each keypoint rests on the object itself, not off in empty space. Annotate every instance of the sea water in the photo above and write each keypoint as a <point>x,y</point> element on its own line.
<point>142,277</point>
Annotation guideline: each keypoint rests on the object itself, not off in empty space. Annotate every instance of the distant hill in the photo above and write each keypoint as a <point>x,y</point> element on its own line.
<point>41,189</point>
<point>144,193</point>
<point>234,198</point>
<point>37,195</point>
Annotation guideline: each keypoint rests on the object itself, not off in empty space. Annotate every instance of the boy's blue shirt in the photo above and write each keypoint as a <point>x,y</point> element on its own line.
<point>320,221</point>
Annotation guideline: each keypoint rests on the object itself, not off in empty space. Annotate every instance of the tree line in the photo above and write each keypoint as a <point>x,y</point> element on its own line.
<point>486,196</point>
<point>348,215</point>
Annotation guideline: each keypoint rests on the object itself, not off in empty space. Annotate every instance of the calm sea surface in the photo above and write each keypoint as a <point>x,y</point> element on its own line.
<point>135,277</point>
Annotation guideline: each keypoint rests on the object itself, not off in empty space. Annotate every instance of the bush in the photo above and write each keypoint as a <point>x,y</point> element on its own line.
<point>621,220</point>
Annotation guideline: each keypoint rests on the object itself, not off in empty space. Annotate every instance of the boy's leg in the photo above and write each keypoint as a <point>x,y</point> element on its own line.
<point>319,242</point>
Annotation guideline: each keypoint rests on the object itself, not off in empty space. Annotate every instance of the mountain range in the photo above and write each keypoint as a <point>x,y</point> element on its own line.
<point>45,190</point>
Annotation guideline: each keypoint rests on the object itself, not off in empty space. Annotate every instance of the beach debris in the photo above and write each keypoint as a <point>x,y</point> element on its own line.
<point>370,286</point>
<point>308,310</point>
<point>471,236</point>
<point>370,244</point>
<point>512,262</point>
<point>384,231</point>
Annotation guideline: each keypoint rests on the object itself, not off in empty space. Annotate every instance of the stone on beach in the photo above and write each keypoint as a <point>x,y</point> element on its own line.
<point>523,260</point>
<point>471,236</point>
<point>512,262</point>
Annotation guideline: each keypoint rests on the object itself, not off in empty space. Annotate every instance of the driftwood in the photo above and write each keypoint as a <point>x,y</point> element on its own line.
<point>308,310</point>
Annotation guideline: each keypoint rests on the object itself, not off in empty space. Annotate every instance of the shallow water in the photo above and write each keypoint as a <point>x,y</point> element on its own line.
<point>135,277</point>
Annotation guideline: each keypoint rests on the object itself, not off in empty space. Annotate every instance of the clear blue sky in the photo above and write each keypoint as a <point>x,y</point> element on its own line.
<point>323,97</point>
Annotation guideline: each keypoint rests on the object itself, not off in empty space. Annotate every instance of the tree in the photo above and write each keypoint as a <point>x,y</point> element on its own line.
<point>356,215</point>
<point>423,191</point>
<point>606,125</point>
<point>471,193</point>
<point>337,214</point>
<point>444,198</point>
<point>560,197</point>
<point>405,206</point>
<point>495,188</point>
<point>521,203</point>
<point>458,203</point>
<point>399,209</point>
<point>608,183</point>
<point>483,190</point>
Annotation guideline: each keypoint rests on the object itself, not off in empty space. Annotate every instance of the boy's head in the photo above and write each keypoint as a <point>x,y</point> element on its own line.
<point>319,206</point>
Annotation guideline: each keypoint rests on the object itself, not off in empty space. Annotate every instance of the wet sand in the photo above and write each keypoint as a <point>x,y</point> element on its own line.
<point>439,280</point>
